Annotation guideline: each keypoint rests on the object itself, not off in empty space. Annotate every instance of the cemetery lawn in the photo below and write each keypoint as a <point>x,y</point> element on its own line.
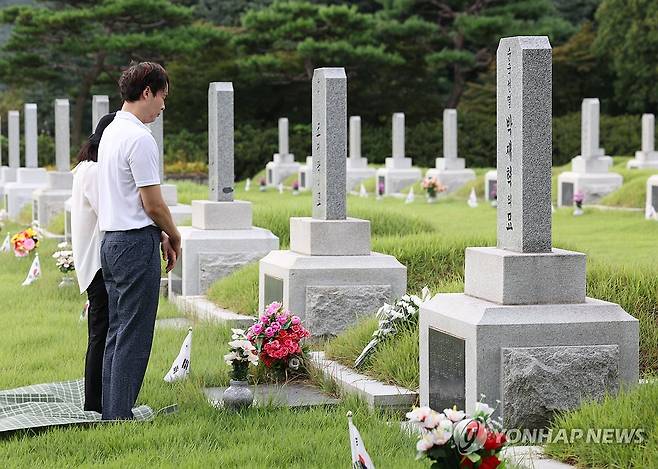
<point>44,341</point>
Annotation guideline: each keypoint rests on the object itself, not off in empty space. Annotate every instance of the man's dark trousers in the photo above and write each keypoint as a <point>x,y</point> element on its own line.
<point>131,268</point>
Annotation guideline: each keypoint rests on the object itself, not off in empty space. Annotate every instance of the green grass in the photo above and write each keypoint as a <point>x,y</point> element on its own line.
<point>56,224</point>
<point>44,341</point>
<point>237,292</point>
<point>629,410</point>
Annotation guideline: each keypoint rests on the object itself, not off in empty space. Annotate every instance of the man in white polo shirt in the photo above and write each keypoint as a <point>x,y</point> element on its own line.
<point>135,219</point>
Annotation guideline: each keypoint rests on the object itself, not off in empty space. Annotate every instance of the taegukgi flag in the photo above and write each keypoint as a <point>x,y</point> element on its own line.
<point>181,366</point>
<point>35,271</point>
<point>472,199</point>
<point>5,245</point>
<point>360,457</point>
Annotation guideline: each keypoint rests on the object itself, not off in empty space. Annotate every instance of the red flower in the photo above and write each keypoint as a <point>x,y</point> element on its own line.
<point>489,462</point>
<point>466,463</point>
<point>495,441</point>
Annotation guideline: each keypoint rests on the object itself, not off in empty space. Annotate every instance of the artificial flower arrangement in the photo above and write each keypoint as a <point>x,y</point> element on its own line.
<point>242,354</point>
<point>454,440</point>
<point>433,186</point>
<point>380,189</point>
<point>295,187</point>
<point>263,184</point>
<point>24,242</point>
<point>392,319</point>
<point>277,337</point>
<point>64,261</point>
<point>578,199</point>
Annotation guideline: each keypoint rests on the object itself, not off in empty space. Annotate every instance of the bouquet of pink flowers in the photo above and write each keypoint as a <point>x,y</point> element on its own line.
<point>24,242</point>
<point>578,199</point>
<point>433,186</point>
<point>455,440</point>
<point>277,336</point>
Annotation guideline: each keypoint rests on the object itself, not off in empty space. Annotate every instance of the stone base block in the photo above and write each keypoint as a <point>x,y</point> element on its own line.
<point>398,163</point>
<point>450,164</point>
<point>512,278</point>
<point>305,175</point>
<point>535,359</point>
<point>7,174</point>
<point>48,203</point>
<point>18,195</point>
<point>36,176</point>
<point>598,164</point>
<point>208,255</point>
<point>311,237</point>
<point>491,185</point>
<point>396,180</point>
<point>283,158</point>
<point>595,186</point>
<point>67,220</point>
<point>181,213</point>
<point>169,194</point>
<point>60,180</point>
<point>452,179</point>
<point>644,160</point>
<point>652,195</point>
<point>208,215</point>
<point>275,173</point>
<point>330,293</point>
<point>355,176</point>
<point>357,163</point>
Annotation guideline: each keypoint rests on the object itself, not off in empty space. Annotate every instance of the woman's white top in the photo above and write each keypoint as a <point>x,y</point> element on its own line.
<point>85,235</point>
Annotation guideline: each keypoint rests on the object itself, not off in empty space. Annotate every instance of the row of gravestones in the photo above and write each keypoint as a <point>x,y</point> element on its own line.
<point>523,332</point>
<point>49,192</point>
<point>590,170</point>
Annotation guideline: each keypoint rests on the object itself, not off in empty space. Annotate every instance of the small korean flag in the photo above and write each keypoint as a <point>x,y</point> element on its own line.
<point>247,185</point>
<point>360,457</point>
<point>5,245</point>
<point>181,366</point>
<point>363,192</point>
<point>35,271</point>
<point>472,199</point>
<point>410,197</point>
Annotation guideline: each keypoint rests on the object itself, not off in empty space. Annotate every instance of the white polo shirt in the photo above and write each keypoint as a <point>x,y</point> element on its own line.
<point>128,159</point>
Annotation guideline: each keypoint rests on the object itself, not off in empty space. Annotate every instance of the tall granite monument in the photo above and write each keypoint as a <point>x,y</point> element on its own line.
<point>221,238</point>
<point>329,277</point>
<point>647,157</point>
<point>398,173</point>
<point>523,332</point>
<point>283,163</point>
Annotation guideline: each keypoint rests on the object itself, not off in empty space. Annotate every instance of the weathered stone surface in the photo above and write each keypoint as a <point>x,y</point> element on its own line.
<point>539,381</point>
<point>220,142</point>
<point>450,133</point>
<point>329,143</point>
<point>332,309</point>
<point>14,137</point>
<point>283,136</point>
<point>294,395</point>
<point>62,135</point>
<point>100,105</point>
<point>157,130</point>
<point>398,135</point>
<point>214,265</point>
<point>524,151</point>
<point>31,135</point>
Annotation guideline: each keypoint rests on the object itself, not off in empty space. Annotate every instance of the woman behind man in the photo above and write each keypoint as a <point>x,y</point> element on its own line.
<point>86,241</point>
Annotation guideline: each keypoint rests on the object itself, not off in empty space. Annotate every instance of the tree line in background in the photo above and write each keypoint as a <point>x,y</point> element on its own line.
<point>412,56</point>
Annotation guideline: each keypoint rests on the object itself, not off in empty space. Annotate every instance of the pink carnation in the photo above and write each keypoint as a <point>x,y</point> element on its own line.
<point>272,308</point>
<point>269,332</point>
<point>282,319</point>
<point>28,244</point>
<point>256,328</point>
<point>295,320</point>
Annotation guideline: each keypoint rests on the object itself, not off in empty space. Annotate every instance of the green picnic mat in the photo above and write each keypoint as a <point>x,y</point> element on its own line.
<point>44,405</point>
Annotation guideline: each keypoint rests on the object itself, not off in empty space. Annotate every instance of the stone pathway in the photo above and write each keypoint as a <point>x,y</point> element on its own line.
<point>173,323</point>
<point>202,308</point>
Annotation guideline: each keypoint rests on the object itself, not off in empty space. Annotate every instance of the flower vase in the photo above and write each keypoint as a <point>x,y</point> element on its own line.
<point>238,395</point>
<point>67,280</point>
<point>578,211</point>
<point>431,198</point>
<point>295,192</point>
<point>262,188</point>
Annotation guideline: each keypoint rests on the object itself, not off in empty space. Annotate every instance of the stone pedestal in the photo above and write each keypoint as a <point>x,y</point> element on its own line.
<point>305,175</point>
<point>67,220</point>
<point>330,293</point>
<point>19,194</point>
<point>7,175</point>
<point>647,157</point>
<point>491,185</point>
<point>652,195</point>
<point>535,359</point>
<point>220,241</point>
<point>48,201</point>
<point>397,175</point>
<point>357,171</point>
<point>181,213</point>
<point>643,161</point>
<point>452,179</point>
<point>594,185</point>
<point>278,170</point>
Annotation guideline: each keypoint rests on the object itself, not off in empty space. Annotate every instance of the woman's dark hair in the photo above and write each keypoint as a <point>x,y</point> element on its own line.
<point>137,77</point>
<point>89,149</point>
